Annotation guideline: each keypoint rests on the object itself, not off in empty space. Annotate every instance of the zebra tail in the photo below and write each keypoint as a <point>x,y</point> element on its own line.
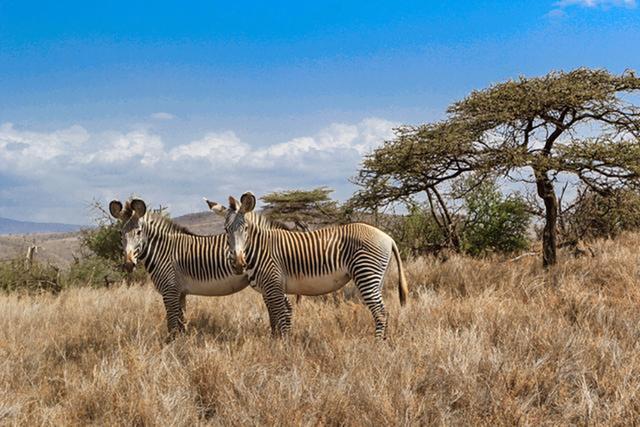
<point>403,290</point>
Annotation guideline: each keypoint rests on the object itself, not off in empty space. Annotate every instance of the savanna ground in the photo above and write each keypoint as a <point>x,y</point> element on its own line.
<point>481,342</point>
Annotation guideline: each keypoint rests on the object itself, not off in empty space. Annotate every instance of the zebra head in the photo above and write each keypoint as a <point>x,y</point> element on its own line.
<point>235,227</point>
<point>133,236</point>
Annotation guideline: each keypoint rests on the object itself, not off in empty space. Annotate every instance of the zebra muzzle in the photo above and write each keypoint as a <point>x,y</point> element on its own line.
<point>129,264</point>
<point>239,263</point>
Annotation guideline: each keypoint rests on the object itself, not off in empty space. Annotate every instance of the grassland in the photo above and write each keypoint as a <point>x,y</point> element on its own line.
<point>481,342</point>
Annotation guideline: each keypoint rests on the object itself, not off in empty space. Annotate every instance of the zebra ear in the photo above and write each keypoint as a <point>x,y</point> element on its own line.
<point>139,207</point>
<point>215,207</point>
<point>248,202</point>
<point>234,204</point>
<point>115,209</point>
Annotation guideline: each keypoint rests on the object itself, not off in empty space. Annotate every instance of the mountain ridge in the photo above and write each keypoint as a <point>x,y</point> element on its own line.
<point>10,226</point>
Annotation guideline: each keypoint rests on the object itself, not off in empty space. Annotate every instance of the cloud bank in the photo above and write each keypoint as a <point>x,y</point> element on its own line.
<point>561,5</point>
<point>53,175</point>
<point>596,3</point>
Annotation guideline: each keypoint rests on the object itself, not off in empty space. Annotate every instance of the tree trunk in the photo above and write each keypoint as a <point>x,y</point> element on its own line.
<point>547,194</point>
<point>445,222</point>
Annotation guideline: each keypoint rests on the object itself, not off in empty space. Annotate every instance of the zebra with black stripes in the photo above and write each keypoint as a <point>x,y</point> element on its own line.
<point>280,262</point>
<point>179,262</point>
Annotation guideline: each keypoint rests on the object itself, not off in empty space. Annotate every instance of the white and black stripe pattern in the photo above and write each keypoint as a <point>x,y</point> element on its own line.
<point>313,263</point>
<point>178,261</point>
<point>173,257</point>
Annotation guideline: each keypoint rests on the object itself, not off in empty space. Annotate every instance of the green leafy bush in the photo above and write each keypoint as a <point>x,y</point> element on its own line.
<point>417,233</point>
<point>16,275</point>
<point>104,241</point>
<point>494,222</point>
<point>93,271</point>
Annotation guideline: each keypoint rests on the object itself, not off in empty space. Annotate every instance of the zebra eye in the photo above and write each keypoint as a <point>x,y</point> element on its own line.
<point>138,232</point>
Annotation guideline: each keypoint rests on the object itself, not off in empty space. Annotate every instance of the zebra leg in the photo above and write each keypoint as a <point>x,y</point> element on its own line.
<point>288,314</point>
<point>284,320</point>
<point>279,308</point>
<point>173,304</point>
<point>369,283</point>
<point>272,317</point>
<point>183,307</point>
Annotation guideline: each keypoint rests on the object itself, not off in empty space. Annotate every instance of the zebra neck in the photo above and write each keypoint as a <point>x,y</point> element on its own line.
<point>255,235</point>
<point>158,249</point>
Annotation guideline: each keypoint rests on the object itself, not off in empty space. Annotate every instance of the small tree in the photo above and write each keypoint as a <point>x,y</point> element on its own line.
<point>105,240</point>
<point>530,129</point>
<point>494,222</point>
<point>302,207</point>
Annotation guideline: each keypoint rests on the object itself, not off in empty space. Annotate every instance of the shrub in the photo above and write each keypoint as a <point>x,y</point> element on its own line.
<point>602,215</point>
<point>92,271</point>
<point>101,254</point>
<point>104,241</point>
<point>418,233</point>
<point>16,275</point>
<point>494,222</point>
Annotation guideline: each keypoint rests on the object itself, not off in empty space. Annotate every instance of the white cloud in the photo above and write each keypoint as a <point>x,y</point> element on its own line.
<point>57,172</point>
<point>219,149</point>
<point>161,115</point>
<point>136,145</point>
<point>26,151</point>
<point>339,140</point>
<point>560,6</point>
<point>596,3</point>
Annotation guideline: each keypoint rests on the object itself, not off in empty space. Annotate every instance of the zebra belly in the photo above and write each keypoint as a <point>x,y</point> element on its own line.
<point>317,285</point>
<point>227,286</point>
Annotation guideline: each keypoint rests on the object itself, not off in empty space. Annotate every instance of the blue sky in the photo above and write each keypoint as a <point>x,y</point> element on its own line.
<point>172,101</point>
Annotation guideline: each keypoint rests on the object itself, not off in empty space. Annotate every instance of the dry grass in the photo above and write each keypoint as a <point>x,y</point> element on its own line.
<point>481,342</point>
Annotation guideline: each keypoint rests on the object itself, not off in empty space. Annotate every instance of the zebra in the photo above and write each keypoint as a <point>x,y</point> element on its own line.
<point>179,262</point>
<point>280,262</point>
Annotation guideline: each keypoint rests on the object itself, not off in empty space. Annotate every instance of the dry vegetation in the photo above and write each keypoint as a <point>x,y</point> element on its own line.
<point>481,342</point>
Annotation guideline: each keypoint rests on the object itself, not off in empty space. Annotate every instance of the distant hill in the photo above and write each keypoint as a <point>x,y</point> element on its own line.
<point>12,226</point>
<point>202,222</point>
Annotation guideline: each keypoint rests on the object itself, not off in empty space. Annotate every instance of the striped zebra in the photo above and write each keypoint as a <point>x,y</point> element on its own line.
<point>179,262</point>
<point>280,262</point>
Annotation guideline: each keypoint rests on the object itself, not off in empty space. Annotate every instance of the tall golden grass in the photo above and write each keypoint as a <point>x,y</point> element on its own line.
<point>481,342</point>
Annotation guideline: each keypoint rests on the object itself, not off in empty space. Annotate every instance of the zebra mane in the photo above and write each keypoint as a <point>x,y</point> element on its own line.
<point>168,225</point>
<point>261,221</point>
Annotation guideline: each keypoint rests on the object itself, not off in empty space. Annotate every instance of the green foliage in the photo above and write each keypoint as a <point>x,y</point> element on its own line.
<point>105,241</point>
<point>494,223</point>
<point>418,233</point>
<point>15,275</point>
<point>102,254</point>
<point>302,207</point>
<point>97,271</point>
<point>603,215</point>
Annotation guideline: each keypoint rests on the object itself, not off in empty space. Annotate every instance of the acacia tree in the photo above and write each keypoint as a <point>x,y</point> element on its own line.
<point>530,129</point>
<point>302,207</point>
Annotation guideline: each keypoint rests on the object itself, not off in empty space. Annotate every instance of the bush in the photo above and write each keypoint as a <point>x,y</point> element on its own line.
<point>104,241</point>
<point>596,215</point>
<point>100,262</point>
<point>418,233</point>
<point>16,275</point>
<point>93,271</point>
<point>494,222</point>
